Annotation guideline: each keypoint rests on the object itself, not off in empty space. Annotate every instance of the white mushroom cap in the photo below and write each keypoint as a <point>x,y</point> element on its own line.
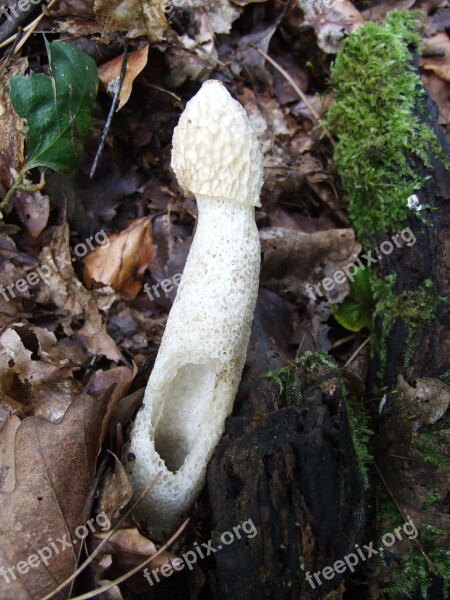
<point>215,151</point>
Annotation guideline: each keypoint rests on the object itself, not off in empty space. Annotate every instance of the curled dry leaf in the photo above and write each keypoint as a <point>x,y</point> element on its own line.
<point>63,289</point>
<point>222,15</point>
<point>82,9</point>
<point>123,262</point>
<point>439,45</point>
<point>29,379</point>
<point>193,58</point>
<point>33,209</point>
<point>426,402</point>
<point>54,466</point>
<point>11,141</point>
<point>127,547</point>
<point>109,73</point>
<point>116,490</point>
<point>101,380</point>
<point>136,17</point>
<point>331,24</point>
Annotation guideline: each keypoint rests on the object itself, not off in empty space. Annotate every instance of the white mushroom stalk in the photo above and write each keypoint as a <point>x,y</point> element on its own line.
<point>193,384</point>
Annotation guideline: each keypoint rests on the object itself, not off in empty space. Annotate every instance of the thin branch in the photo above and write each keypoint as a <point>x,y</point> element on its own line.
<point>111,111</point>
<point>140,566</point>
<point>288,78</point>
<point>405,517</point>
<point>31,27</point>
<point>357,351</point>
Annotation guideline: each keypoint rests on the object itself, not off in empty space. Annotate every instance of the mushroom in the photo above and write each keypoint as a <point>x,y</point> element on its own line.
<point>191,390</point>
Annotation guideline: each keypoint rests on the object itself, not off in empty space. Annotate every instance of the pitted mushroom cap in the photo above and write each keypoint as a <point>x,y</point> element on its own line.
<point>215,151</point>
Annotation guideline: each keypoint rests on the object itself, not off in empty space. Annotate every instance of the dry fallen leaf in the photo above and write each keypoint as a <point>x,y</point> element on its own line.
<point>40,386</point>
<point>11,141</point>
<point>426,402</point>
<point>123,262</point>
<point>54,466</point>
<point>136,17</point>
<point>332,23</point>
<point>109,73</point>
<point>439,44</point>
<point>126,548</point>
<point>62,288</point>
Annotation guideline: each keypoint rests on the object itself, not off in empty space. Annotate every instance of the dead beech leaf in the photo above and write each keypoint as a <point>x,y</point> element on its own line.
<point>426,402</point>
<point>440,66</point>
<point>123,262</point>
<point>127,547</point>
<point>12,141</point>
<point>33,209</point>
<point>62,288</point>
<point>37,386</point>
<point>333,23</point>
<point>136,17</point>
<point>109,73</point>
<point>116,490</point>
<point>54,467</point>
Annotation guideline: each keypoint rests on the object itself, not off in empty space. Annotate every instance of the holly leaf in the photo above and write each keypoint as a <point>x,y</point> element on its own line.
<point>57,107</point>
<point>356,311</point>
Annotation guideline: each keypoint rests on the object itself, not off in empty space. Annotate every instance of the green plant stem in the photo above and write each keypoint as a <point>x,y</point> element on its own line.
<point>16,186</point>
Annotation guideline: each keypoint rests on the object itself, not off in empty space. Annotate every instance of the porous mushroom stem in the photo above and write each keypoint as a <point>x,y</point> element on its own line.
<point>198,368</point>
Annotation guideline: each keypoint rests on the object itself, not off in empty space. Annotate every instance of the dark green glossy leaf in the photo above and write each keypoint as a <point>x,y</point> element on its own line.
<point>57,107</point>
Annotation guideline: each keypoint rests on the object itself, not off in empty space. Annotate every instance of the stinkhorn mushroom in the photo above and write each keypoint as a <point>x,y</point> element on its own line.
<point>191,390</point>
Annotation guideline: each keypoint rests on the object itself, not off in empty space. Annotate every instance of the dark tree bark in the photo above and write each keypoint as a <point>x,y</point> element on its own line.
<point>408,477</point>
<point>428,258</point>
<point>291,470</point>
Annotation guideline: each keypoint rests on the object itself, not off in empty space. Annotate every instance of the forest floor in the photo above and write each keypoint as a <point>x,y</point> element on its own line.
<point>90,261</point>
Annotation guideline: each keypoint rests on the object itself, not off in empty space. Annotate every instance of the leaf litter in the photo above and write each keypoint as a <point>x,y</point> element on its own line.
<point>90,324</point>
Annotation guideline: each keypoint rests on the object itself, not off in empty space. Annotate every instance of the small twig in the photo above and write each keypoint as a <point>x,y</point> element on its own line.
<point>405,517</point>
<point>31,27</point>
<point>288,78</point>
<point>16,186</point>
<point>357,351</point>
<point>103,542</point>
<point>163,90</point>
<point>144,563</point>
<point>112,110</point>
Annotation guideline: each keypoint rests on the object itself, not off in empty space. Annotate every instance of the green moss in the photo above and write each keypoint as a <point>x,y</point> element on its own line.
<point>290,386</point>
<point>287,378</point>
<point>416,309</point>
<point>415,574</point>
<point>361,434</point>
<point>426,442</point>
<point>379,138</point>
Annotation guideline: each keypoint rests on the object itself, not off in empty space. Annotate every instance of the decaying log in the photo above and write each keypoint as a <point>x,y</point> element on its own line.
<point>427,259</point>
<point>409,478</point>
<point>288,464</point>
